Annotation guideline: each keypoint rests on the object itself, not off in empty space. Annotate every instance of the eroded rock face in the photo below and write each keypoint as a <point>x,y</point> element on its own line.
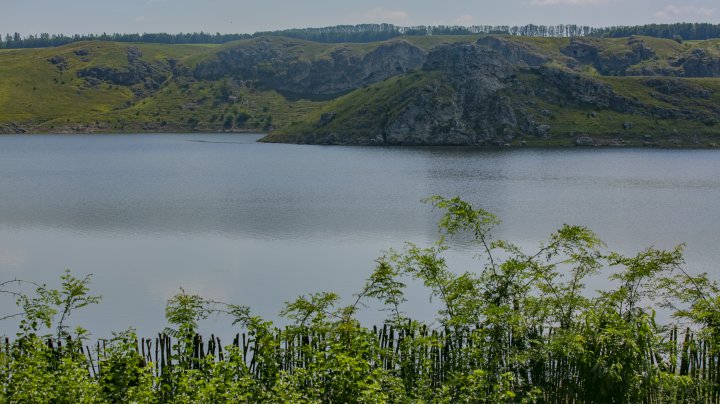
<point>517,53</point>
<point>59,62</point>
<point>495,91</point>
<point>469,60</point>
<point>699,64</point>
<point>11,129</point>
<point>582,50</point>
<point>342,70</point>
<point>137,71</point>
<point>627,60</point>
<point>609,62</point>
<point>475,112</point>
<point>477,99</point>
<point>582,89</point>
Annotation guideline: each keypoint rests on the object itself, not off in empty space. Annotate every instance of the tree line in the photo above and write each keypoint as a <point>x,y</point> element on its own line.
<point>44,40</point>
<point>689,31</point>
<point>377,32</point>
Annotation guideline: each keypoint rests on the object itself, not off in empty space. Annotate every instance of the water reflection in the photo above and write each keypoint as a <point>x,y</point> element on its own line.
<point>258,224</point>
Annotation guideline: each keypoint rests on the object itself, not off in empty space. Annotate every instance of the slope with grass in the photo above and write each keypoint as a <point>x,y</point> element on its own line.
<point>477,90</point>
<point>535,91</point>
<point>255,84</point>
<point>83,86</point>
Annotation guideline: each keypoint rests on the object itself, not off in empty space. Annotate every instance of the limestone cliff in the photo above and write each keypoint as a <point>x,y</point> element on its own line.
<point>501,91</point>
<point>290,70</point>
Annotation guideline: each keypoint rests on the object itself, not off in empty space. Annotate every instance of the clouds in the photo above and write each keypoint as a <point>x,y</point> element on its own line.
<point>676,13</point>
<point>96,16</point>
<point>465,20</point>
<point>700,11</point>
<point>381,15</point>
<point>567,2</point>
<point>670,13</point>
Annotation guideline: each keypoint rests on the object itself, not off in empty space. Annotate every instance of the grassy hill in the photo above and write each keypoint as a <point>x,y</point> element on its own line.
<point>309,92</point>
<point>42,91</point>
<point>621,92</point>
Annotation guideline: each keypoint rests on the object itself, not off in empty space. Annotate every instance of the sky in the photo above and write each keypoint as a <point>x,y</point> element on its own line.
<point>248,16</point>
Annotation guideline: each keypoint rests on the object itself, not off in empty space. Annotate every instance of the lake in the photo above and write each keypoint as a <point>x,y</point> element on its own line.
<point>258,224</point>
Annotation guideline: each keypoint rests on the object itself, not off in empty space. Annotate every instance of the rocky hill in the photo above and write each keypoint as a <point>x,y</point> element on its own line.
<point>489,90</point>
<point>291,71</point>
<point>530,91</point>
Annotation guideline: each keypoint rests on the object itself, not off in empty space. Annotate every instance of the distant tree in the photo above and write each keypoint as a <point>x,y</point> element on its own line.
<point>364,33</point>
<point>688,31</point>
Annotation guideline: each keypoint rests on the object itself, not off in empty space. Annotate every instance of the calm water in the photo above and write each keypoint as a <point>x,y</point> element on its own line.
<point>259,224</point>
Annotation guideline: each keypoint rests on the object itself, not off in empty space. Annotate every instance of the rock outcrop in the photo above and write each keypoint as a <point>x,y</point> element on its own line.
<point>59,62</point>
<point>515,52</point>
<point>608,60</point>
<point>486,105</point>
<point>576,89</point>
<point>11,129</point>
<point>698,63</point>
<point>629,59</point>
<point>341,70</point>
<point>473,113</point>
<point>465,106</point>
<point>487,93</point>
<point>137,71</point>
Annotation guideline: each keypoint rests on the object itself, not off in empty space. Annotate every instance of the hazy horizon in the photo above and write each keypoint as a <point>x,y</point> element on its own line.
<point>247,16</point>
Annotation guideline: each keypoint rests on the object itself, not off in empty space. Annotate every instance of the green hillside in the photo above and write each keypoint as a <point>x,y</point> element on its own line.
<point>443,89</point>
<point>42,92</point>
<point>37,95</point>
<point>620,92</point>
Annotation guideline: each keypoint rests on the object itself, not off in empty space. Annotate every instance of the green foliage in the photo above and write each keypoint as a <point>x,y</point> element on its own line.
<point>520,328</point>
<point>36,375</point>
<point>42,308</point>
<point>35,371</point>
<point>45,90</point>
<point>682,29</point>
<point>123,376</point>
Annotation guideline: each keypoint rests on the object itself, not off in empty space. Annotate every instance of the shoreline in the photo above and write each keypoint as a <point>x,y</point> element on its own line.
<point>555,143</point>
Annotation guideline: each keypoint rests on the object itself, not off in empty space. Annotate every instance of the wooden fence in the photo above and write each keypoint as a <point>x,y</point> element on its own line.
<point>435,356</point>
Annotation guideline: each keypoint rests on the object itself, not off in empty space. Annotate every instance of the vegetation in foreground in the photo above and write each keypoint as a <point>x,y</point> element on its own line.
<point>523,328</point>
